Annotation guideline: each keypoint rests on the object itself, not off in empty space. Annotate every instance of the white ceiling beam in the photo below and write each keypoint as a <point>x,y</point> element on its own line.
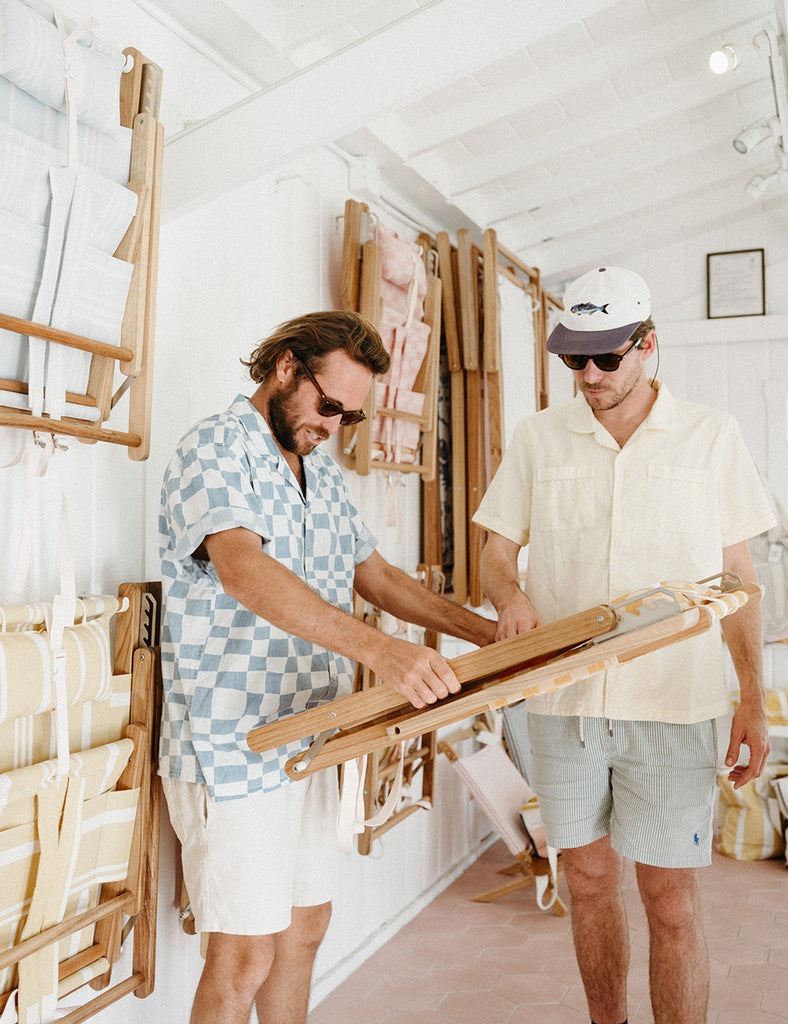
<point>717,202</point>
<point>217,30</point>
<point>687,142</point>
<point>647,190</point>
<point>351,88</point>
<point>673,99</point>
<point>550,84</point>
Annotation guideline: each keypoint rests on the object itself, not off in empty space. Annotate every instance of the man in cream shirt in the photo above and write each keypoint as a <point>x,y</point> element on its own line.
<point>623,487</point>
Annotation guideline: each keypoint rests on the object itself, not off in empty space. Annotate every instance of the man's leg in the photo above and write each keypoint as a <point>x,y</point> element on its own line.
<point>284,996</point>
<point>678,959</point>
<point>599,928</point>
<point>235,967</point>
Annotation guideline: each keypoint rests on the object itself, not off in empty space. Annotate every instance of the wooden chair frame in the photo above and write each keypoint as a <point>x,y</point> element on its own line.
<point>546,659</point>
<point>527,866</point>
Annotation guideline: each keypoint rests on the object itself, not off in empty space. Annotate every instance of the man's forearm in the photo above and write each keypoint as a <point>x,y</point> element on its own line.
<point>393,590</point>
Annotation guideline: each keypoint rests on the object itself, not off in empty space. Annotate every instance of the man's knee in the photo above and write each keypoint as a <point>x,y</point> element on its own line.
<point>671,896</point>
<point>593,871</point>
<point>308,926</point>
<point>240,961</point>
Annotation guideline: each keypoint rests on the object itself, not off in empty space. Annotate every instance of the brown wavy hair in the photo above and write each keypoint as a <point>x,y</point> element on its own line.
<point>312,336</point>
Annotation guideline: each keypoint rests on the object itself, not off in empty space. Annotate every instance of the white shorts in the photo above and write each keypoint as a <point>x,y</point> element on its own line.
<point>650,786</point>
<point>247,862</point>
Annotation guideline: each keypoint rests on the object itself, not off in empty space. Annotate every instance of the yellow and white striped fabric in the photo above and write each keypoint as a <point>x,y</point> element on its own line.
<point>60,838</point>
<point>688,595</point>
<point>750,827</point>
<point>98,703</point>
<point>61,834</point>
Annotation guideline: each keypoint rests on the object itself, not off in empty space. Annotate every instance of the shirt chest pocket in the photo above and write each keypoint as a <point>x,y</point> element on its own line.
<point>564,498</point>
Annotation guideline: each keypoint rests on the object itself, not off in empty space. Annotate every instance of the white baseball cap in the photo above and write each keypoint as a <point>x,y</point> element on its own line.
<point>602,310</point>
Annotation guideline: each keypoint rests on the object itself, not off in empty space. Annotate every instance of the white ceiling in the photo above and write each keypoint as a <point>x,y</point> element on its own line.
<point>577,128</point>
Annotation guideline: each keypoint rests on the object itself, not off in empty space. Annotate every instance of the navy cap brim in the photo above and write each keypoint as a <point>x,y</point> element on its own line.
<point>563,341</point>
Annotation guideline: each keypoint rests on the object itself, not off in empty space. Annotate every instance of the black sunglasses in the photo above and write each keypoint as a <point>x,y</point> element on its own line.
<point>330,407</point>
<point>608,362</point>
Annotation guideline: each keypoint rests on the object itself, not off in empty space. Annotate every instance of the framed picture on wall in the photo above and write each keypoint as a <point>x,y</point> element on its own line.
<point>735,284</point>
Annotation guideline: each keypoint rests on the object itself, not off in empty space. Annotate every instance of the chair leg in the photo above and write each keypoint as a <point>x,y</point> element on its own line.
<point>524,878</point>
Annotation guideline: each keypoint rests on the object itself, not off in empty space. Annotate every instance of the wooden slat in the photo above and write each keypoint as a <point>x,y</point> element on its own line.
<point>141,394</point>
<point>495,440</point>
<point>467,286</point>
<point>476,478</point>
<point>150,91</point>
<point>491,338</point>
<point>21,419</point>
<point>360,435</point>
<point>101,1002</point>
<point>432,522</point>
<point>351,251</point>
<point>427,381</point>
<point>446,259</point>
<point>8,957</point>
<point>126,628</point>
<point>102,370</point>
<point>513,258</point>
<point>18,387</point>
<point>130,88</point>
<point>458,477</point>
<point>19,326</point>
<point>143,164</point>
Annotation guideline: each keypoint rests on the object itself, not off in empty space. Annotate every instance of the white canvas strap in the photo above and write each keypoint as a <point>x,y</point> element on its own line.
<point>351,820</point>
<point>547,885</point>
<point>63,181</point>
<point>39,453</point>
<point>35,453</point>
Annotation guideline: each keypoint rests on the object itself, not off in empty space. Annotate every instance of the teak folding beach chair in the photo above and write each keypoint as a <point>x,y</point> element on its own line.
<point>381,789</point>
<point>393,283</point>
<point>80,187</point>
<point>471,278</point>
<point>78,805</point>
<point>504,795</point>
<point>548,658</point>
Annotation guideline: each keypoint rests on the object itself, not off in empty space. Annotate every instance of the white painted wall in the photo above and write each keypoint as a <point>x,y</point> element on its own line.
<point>229,271</point>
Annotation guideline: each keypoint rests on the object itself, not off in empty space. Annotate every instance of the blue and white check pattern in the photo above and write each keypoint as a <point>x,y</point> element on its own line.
<point>225,670</point>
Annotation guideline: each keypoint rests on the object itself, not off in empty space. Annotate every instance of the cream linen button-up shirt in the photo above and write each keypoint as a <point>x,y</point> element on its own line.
<point>601,521</point>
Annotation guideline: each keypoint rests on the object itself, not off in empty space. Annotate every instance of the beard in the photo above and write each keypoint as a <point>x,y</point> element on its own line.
<point>284,423</point>
<point>610,394</point>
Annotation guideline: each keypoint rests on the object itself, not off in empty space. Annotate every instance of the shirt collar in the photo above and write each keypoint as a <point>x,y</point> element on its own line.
<point>262,440</point>
<point>256,427</point>
<point>662,414</point>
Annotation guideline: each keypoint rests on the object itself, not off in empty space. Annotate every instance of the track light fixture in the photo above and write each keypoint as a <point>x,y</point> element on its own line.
<point>754,134</point>
<point>766,43</point>
<point>758,183</point>
<point>730,55</point>
<point>725,59</point>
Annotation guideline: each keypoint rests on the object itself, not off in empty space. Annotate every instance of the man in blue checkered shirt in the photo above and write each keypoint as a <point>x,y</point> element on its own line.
<point>262,549</point>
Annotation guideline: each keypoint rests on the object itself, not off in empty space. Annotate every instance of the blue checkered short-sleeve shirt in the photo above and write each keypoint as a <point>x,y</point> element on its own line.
<point>225,670</point>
